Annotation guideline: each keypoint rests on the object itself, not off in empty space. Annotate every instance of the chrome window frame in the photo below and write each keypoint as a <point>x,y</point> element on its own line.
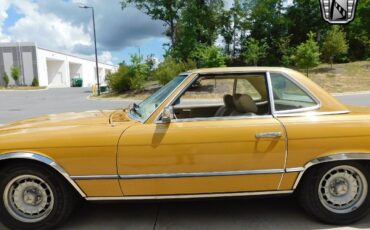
<point>299,85</point>
<point>265,73</point>
<point>186,74</point>
<point>274,113</point>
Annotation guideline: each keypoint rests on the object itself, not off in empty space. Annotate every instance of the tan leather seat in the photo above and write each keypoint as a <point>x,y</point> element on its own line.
<point>244,106</point>
<point>227,108</point>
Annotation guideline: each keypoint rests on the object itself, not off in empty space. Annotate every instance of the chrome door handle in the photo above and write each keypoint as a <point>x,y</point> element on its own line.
<point>268,135</point>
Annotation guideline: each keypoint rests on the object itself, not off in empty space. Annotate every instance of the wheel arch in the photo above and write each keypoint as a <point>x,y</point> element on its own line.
<point>362,157</point>
<point>43,160</point>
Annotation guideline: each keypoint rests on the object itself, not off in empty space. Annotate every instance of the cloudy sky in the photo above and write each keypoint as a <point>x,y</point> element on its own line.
<point>61,25</point>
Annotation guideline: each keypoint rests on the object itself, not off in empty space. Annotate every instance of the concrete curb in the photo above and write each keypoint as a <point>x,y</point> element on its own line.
<point>23,90</point>
<point>107,99</point>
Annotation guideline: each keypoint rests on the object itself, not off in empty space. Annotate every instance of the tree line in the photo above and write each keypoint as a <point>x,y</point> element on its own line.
<point>203,33</point>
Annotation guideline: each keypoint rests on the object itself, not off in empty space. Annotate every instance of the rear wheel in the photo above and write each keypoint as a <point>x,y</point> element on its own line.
<point>33,197</point>
<point>336,193</point>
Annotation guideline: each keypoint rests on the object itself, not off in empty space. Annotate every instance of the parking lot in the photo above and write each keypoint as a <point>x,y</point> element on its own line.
<point>260,213</point>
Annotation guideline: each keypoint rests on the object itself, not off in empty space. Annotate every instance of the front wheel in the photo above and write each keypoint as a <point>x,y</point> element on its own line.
<point>336,193</point>
<point>33,197</point>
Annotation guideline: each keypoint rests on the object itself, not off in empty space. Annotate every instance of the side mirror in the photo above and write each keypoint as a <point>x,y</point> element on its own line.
<point>167,114</point>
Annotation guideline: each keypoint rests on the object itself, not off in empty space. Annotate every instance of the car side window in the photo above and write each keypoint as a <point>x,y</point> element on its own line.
<point>253,85</point>
<point>207,91</point>
<point>288,95</point>
<point>224,95</point>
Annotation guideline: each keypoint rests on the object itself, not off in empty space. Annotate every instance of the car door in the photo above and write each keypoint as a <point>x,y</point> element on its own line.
<point>202,156</point>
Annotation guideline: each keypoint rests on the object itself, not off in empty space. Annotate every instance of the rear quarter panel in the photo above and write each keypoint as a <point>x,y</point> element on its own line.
<point>310,137</point>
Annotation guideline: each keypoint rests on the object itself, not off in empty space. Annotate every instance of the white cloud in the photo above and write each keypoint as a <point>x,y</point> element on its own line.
<point>106,57</point>
<point>4,5</point>
<point>61,25</point>
<point>46,29</point>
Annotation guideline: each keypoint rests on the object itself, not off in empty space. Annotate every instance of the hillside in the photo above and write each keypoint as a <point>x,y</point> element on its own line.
<point>348,77</point>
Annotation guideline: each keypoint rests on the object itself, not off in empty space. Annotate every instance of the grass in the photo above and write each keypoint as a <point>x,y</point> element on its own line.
<point>22,87</point>
<point>347,77</point>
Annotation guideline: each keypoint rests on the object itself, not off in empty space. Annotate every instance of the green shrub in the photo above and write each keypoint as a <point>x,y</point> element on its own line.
<point>6,79</point>
<point>208,56</point>
<point>35,81</point>
<point>170,68</point>
<point>15,72</point>
<point>119,82</point>
<point>138,72</point>
<point>307,54</point>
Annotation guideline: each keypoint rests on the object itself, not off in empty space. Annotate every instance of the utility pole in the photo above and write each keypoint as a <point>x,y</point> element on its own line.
<point>96,50</point>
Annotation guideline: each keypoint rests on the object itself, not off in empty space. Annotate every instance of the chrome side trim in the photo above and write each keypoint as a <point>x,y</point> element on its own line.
<point>191,196</point>
<point>190,106</point>
<point>202,174</point>
<point>298,169</point>
<point>331,158</point>
<point>313,113</point>
<point>216,118</point>
<point>45,160</point>
<point>95,177</point>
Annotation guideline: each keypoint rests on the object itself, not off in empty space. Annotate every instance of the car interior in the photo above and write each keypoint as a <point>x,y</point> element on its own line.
<point>224,96</point>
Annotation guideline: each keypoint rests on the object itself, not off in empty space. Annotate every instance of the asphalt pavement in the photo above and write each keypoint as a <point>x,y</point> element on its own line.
<point>15,105</point>
<point>259,213</point>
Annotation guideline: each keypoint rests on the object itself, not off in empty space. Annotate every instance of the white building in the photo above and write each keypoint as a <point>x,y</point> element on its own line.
<point>52,68</point>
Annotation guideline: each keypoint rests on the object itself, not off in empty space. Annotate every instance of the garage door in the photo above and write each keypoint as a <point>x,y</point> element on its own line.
<point>57,81</point>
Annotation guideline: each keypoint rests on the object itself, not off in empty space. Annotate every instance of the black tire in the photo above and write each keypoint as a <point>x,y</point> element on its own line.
<point>309,197</point>
<point>62,205</point>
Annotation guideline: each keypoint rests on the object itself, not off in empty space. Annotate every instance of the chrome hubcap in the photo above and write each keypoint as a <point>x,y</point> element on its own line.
<point>343,189</point>
<point>28,198</point>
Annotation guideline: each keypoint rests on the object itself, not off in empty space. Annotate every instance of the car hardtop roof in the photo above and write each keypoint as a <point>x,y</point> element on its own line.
<point>239,69</point>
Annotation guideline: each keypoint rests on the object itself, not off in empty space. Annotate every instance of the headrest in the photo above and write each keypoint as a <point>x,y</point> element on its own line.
<point>245,104</point>
<point>229,101</point>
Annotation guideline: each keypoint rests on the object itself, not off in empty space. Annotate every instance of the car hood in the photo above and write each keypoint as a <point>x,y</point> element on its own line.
<point>69,119</point>
<point>91,128</point>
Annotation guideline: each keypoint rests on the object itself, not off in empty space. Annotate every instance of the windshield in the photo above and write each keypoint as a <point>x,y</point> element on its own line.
<point>143,110</point>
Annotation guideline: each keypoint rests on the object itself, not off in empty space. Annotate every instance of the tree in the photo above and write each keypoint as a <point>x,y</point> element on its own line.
<point>255,50</point>
<point>359,33</point>
<point>151,62</point>
<point>267,22</point>
<point>138,72</point>
<point>285,50</point>
<point>6,79</point>
<point>307,54</point>
<point>334,44</point>
<point>170,68</point>
<point>208,56</point>
<point>199,24</point>
<point>15,73</point>
<point>233,23</point>
<point>302,17</point>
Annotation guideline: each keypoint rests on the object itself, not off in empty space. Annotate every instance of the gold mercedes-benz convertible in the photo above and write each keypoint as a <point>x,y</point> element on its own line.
<point>222,132</point>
